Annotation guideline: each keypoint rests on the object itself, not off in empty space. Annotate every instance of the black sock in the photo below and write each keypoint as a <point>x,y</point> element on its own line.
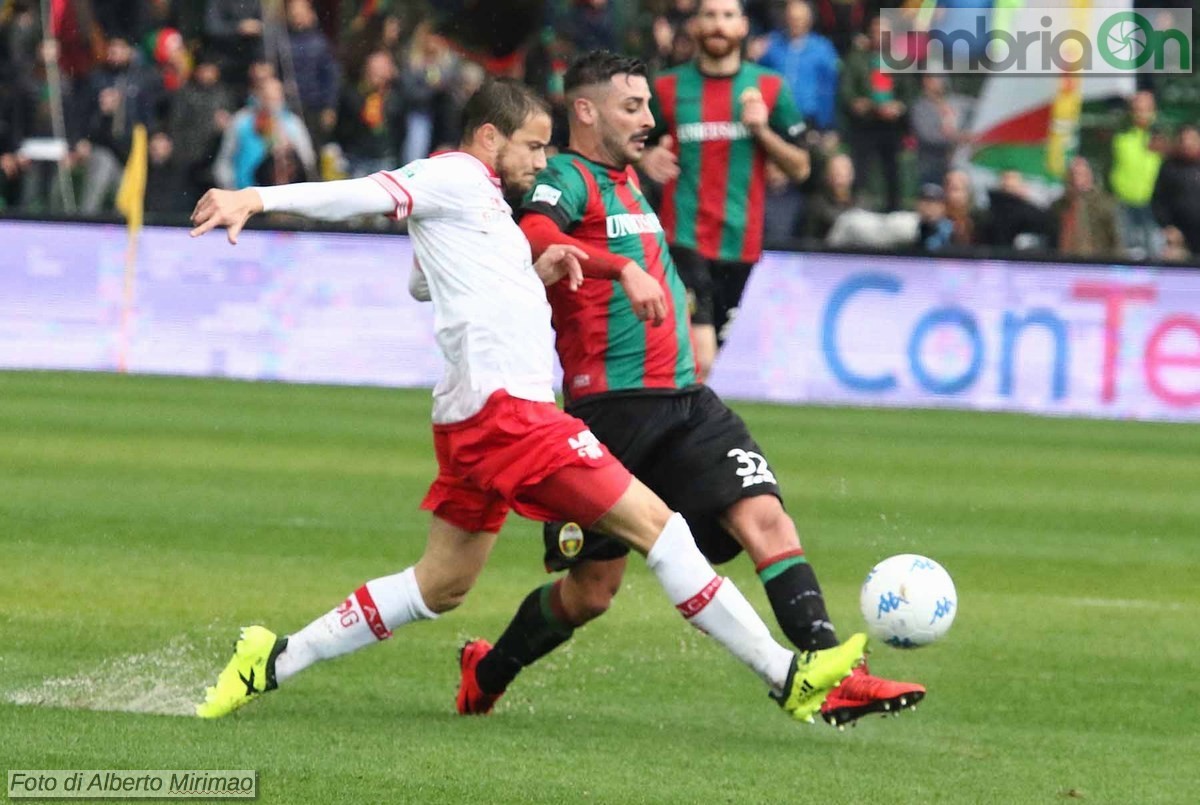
<point>539,627</point>
<point>795,596</point>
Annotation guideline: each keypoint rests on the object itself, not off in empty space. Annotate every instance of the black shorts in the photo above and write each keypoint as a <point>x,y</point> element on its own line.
<point>687,446</point>
<point>714,287</point>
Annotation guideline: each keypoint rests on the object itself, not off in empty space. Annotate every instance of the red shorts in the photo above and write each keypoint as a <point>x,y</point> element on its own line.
<point>531,457</point>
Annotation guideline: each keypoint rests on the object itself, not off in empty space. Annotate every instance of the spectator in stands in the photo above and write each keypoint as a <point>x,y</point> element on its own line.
<point>121,93</point>
<point>20,34</point>
<point>939,120</point>
<point>315,70</point>
<point>1136,159</point>
<point>1175,247</point>
<point>259,72</point>
<point>282,165</point>
<point>1176,199</point>
<point>234,30</point>
<point>683,47</point>
<point>30,83</point>
<point>371,118</point>
<point>125,19</point>
<point>808,62</point>
<point>835,196</point>
<point>15,110</point>
<point>77,35</point>
<point>876,107</point>
<point>1014,221</point>
<point>368,31</point>
<point>12,122</point>
<point>960,209</point>
<point>1086,215</point>
<point>200,113</point>
<point>429,73</point>
<point>666,30</point>
<point>166,178</point>
<point>588,24</point>
<point>165,50</point>
<point>257,131</point>
<point>470,78</point>
<point>679,12</point>
<point>783,217</point>
<point>935,230</point>
<point>841,21</point>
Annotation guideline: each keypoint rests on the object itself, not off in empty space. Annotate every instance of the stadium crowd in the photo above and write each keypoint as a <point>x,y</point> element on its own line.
<point>260,92</point>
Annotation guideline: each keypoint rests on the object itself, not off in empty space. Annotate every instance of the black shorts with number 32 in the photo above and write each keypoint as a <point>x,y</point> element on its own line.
<point>687,446</point>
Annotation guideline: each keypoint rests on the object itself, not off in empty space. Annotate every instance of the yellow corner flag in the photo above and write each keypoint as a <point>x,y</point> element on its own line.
<point>131,202</point>
<point>131,195</point>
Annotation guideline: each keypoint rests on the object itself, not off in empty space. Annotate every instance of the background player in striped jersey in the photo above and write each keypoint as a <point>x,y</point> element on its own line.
<point>720,119</point>
<point>634,383</point>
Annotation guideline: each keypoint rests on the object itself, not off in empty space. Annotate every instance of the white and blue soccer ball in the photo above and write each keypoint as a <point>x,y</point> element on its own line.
<point>908,601</point>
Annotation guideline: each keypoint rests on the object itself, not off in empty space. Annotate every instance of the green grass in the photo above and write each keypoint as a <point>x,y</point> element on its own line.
<point>143,519</point>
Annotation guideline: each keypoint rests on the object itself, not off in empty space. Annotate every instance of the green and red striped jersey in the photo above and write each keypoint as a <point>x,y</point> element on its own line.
<point>716,205</point>
<point>600,341</point>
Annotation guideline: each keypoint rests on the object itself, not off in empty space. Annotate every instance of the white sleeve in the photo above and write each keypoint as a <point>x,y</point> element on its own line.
<point>332,201</point>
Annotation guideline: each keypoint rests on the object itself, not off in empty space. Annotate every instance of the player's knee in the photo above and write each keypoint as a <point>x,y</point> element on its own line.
<point>588,591</point>
<point>445,594</point>
<point>596,600</point>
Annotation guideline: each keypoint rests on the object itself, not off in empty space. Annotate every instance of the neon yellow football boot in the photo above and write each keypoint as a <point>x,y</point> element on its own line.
<point>814,674</point>
<point>248,675</point>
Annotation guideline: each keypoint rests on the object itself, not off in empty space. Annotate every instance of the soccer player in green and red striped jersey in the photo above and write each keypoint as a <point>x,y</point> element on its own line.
<point>622,339</point>
<point>719,119</point>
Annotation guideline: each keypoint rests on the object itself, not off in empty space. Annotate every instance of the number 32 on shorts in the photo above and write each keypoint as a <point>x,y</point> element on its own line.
<point>752,467</point>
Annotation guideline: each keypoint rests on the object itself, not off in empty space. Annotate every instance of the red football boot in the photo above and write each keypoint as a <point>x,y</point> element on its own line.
<point>472,700</point>
<point>861,694</point>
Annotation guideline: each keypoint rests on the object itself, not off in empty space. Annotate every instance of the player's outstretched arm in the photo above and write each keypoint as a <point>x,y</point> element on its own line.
<point>328,200</point>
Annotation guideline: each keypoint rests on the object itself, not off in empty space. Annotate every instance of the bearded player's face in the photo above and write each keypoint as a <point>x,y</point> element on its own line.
<point>523,155</point>
<point>624,117</point>
<point>720,27</point>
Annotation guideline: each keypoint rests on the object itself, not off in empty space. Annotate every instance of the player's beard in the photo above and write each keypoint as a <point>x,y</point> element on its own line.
<point>514,182</point>
<point>716,46</point>
<point>619,147</point>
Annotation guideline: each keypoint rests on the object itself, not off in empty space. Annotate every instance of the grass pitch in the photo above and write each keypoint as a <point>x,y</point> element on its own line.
<point>143,519</point>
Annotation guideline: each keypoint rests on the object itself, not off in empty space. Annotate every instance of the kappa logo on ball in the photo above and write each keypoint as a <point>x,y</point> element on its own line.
<point>570,540</point>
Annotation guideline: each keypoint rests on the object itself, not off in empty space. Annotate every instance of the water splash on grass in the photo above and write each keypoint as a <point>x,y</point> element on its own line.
<point>165,681</point>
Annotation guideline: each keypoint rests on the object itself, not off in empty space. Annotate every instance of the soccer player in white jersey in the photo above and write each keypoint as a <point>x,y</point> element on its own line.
<point>501,441</point>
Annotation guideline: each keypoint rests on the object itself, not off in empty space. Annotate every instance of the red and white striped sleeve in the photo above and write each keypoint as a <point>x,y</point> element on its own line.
<point>395,183</point>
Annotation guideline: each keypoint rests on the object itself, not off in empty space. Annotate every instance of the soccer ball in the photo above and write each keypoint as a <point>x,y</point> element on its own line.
<point>908,601</point>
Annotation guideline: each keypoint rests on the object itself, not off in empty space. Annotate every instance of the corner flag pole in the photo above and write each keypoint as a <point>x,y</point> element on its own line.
<point>131,202</point>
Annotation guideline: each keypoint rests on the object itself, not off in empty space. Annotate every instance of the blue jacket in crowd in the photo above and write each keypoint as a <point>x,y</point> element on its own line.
<point>810,65</point>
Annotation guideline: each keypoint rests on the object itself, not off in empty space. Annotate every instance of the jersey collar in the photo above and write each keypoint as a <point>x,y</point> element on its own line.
<point>719,76</point>
<point>617,174</point>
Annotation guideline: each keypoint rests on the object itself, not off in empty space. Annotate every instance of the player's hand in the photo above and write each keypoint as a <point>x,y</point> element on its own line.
<point>561,261</point>
<point>645,294</point>
<point>660,162</point>
<point>227,208</point>
<point>755,113</point>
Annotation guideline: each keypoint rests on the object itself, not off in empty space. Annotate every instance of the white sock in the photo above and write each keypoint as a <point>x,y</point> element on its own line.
<point>367,616</point>
<point>714,605</point>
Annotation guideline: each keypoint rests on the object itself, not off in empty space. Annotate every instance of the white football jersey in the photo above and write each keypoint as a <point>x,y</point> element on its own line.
<point>490,309</point>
